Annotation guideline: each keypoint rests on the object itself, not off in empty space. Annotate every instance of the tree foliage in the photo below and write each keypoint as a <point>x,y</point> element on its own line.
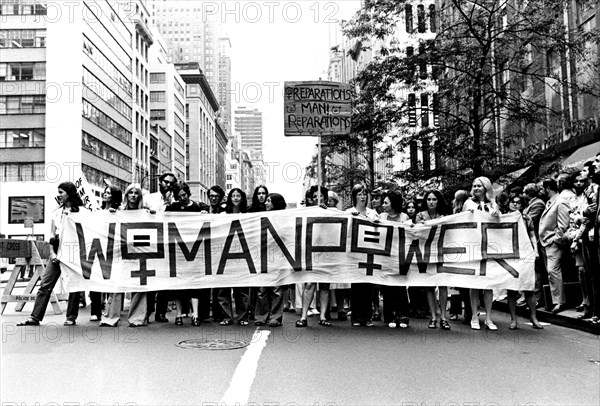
<point>502,69</point>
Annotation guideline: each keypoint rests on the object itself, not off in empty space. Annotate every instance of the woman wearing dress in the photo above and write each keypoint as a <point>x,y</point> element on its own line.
<point>236,203</point>
<point>482,199</point>
<point>434,207</point>
<point>396,309</point>
<point>269,304</point>
<point>70,202</point>
<point>361,303</point>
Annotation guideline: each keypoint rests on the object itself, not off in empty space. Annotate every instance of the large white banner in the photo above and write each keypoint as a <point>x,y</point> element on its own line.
<point>138,251</point>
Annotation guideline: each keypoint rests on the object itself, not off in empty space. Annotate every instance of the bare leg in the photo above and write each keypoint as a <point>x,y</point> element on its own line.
<point>512,308</point>
<point>488,297</point>
<point>474,296</point>
<point>195,303</point>
<point>307,297</point>
<point>443,301</point>
<point>430,292</point>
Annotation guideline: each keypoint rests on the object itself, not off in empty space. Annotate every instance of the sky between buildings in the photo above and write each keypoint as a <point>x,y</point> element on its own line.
<point>273,42</point>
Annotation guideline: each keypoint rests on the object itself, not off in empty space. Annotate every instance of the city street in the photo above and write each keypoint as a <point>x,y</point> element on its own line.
<point>85,364</point>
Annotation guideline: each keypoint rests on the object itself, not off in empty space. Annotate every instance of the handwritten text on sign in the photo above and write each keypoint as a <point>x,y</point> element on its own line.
<point>317,108</point>
<point>138,251</point>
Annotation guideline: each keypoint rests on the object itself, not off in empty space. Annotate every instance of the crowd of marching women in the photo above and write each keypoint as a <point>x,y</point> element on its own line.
<point>561,215</point>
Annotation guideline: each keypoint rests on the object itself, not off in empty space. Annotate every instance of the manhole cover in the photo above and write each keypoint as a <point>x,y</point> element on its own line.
<point>217,344</point>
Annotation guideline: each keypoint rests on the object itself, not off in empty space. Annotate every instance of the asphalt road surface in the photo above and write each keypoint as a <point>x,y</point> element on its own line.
<point>342,365</point>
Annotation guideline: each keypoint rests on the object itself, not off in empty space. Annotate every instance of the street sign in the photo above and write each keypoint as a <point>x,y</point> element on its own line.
<point>317,108</point>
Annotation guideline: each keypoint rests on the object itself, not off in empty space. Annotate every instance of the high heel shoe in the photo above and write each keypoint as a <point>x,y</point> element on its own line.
<point>537,325</point>
<point>490,325</point>
<point>475,325</point>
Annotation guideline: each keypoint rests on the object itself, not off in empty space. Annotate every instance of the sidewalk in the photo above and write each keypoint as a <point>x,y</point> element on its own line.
<point>567,318</point>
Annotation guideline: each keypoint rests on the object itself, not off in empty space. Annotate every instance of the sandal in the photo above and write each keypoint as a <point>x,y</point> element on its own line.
<point>324,322</point>
<point>243,323</point>
<point>275,324</point>
<point>29,322</point>
<point>404,322</point>
<point>453,317</point>
<point>301,323</point>
<point>432,324</point>
<point>69,323</point>
<point>369,324</point>
<point>179,321</point>
<point>195,321</point>
<point>226,322</point>
<point>444,325</point>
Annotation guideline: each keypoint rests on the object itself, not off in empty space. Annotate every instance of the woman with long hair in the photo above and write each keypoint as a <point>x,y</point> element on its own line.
<point>411,210</point>
<point>69,202</point>
<point>259,198</point>
<point>396,311</point>
<point>482,199</point>
<point>236,203</point>
<point>269,303</point>
<point>138,307</point>
<point>361,293</point>
<point>434,207</point>
<point>112,197</point>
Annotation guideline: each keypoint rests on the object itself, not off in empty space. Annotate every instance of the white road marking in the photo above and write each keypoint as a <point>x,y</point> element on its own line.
<point>243,377</point>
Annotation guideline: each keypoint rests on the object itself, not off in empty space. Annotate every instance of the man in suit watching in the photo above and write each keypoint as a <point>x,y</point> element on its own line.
<point>553,225</point>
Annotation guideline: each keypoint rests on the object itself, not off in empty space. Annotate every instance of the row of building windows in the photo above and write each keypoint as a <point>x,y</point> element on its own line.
<point>158,96</point>
<point>22,172</point>
<point>425,110</point>
<point>422,18</point>
<point>103,121</point>
<point>97,177</point>
<point>105,93</point>
<point>179,122</point>
<point>179,106</point>
<point>158,114</point>
<point>35,104</point>
<point>106,65</point>
<point>157,78</point>
<point>98,148</point>
<point>23,38</point>
<point>22,7</point>
<point>13,71</point>
<point>23,138</point>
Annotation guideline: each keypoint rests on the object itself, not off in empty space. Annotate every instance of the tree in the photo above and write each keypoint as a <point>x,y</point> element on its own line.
<point>502,69</point>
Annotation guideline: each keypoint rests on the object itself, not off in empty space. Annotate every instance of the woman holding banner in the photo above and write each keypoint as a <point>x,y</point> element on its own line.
<point>70,202</point>
<point>482,199</point>
<point>112,198</point>
<point>269,303</point>
<point>236,203</point>
<point>138,308</point>
<point>434,207</point>
<point>396,309</point>
<point>361,292</point>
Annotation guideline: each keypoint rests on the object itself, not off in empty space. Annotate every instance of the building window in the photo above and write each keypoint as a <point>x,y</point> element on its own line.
<point>158,114</point>
<point>432,24</point>
<point>106,94</point>
<point>179,122</point>
<point>23,38</point>
<point>23,138</point>
<point>22,104</point>
<point>22,172</point>
<point>98,148</point>
<point>414,156</point>
<point>421,18</point>
<point>408,16</point>
<point>19,208</point>
<point>412,110</point>
<point>157,78</point>
<point>158,96</point>
<point>22,7</point>
<point>424,110</point>
<point>13,71</point>
<point>106,123</point>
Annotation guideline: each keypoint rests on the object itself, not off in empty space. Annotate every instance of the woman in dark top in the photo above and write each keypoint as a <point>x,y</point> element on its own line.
<point>236,203</point>
<point>270,299</point>
<point>182,193</point>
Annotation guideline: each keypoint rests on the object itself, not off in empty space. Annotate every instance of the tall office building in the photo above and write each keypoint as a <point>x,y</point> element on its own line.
<point>74,93</point>
<point>248,123</point>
